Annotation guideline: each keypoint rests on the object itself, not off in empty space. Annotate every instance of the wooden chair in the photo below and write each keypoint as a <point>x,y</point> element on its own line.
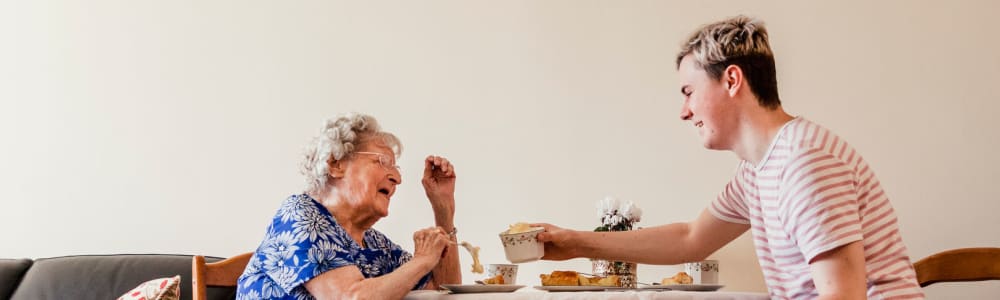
<point>967,264</point>
<point>220,273</point>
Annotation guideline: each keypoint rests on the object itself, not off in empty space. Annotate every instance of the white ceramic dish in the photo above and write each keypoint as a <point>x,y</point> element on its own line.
<point>481,288</point>
<point>522,247</point>
<point>684,287</point>
<point>572,288</point>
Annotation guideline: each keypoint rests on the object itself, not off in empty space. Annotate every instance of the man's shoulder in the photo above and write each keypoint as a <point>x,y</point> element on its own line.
<point>807,138</point>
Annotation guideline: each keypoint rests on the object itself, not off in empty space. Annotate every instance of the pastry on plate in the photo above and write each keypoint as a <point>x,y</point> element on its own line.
<point>494,280</point>
<point>611,280</point>
<point>561,278</point>
<point>572,278</point>
<point>679,278</point>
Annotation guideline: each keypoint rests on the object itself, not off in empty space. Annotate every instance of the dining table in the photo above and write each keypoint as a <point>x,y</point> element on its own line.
<point>529,293</point>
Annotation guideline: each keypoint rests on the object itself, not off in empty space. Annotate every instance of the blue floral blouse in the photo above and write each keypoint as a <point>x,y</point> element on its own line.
<point>303,241</point>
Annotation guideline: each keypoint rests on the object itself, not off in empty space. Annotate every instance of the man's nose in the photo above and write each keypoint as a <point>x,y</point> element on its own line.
<point>686,113</point>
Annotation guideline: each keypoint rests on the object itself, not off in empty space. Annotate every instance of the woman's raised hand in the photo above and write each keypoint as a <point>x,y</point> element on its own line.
<point>439,184</point>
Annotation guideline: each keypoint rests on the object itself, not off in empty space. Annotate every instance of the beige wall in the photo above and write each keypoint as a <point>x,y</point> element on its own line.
<point>176,126</point>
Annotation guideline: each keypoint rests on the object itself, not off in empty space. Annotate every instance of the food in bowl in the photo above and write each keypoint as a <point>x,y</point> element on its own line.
<point>520,227</point>
<point>520,243</point>
<point>679,278</point>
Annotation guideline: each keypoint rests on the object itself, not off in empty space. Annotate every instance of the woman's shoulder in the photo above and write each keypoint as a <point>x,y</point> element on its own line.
<point>298,206</point>
<point>303,211</point>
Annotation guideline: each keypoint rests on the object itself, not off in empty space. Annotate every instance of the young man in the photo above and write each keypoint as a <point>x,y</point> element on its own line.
<point>822,226</point>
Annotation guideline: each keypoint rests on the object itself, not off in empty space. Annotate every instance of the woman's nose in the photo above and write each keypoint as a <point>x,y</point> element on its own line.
<point>395,177</point>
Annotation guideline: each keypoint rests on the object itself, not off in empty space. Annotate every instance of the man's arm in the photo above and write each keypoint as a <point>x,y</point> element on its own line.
<point>840,273</point>
<point>663,245</point>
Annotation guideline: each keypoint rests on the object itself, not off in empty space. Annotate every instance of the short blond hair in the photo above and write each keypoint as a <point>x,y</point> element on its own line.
<point>340,137</point>
<point>740,41</point>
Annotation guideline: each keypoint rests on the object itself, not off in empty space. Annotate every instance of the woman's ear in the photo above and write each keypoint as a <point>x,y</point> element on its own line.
<point>335,168</point>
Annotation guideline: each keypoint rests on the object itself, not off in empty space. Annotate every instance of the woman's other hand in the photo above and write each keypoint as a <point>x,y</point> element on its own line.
<point>429,245</point>
<point>557,242</point>
<point>439,184</point>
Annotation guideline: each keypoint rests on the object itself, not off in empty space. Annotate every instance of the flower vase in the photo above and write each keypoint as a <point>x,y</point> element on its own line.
<point>626,271</point>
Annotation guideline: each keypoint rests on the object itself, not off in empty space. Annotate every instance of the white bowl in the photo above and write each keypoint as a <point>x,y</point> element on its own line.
<point>522,247</point>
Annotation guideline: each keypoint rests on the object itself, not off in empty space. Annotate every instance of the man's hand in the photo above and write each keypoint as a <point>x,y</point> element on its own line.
<point>557,242</point>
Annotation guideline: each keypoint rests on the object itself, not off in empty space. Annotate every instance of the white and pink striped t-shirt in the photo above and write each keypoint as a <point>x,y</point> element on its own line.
<point>810,194</point>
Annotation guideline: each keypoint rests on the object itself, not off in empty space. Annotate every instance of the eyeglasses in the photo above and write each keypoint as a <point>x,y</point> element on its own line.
<point>386,161</point>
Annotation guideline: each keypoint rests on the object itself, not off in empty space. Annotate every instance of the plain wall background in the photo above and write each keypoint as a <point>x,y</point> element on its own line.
<point>177,126</point>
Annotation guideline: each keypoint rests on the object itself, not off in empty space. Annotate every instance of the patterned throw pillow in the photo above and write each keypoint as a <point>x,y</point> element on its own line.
<point>156,289</point>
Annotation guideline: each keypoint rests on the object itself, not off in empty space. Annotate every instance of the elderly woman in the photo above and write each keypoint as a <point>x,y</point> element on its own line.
<point>321,244</point>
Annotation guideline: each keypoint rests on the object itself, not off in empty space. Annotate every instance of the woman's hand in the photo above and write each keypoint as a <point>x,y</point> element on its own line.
<point>429,245</point>
<point>439,184</point>
<point>557,242</point>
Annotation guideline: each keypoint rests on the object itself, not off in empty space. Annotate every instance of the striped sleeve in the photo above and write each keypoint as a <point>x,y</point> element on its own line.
<point>819,203</point>
<point>730,206</point>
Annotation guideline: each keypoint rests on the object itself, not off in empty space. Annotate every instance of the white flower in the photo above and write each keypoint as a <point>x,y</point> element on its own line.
<point>636,215</point>
<point>607,206</point>
<point>630,212</point>
<point>615,213</point>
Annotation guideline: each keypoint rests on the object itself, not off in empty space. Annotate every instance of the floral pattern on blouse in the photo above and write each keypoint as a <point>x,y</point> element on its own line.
<point>303,241</point>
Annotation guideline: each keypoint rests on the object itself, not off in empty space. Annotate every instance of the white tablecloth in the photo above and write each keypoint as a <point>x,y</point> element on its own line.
<point>529,293</point>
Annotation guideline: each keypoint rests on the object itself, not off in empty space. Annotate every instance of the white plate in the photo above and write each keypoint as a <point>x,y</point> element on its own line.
<point>684,287</point>
<point>481,288</point>
<point>572,288</point>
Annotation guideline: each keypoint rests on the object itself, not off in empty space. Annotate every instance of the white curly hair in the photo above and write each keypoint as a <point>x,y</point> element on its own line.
<point>340,137</point>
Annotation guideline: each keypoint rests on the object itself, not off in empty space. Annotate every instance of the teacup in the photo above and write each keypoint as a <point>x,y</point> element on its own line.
<point>703,272</point>
<point>522,247</point>
<point>507,271</point>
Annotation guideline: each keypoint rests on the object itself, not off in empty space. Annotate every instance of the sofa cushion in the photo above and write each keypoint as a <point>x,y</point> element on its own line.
<point>11,272</point>
<point>106,276</point>
<point>156,289</point>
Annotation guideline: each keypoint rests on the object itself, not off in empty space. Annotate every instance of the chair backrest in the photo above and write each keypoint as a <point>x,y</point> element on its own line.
<point>221,273</point>
<point>966,264</point>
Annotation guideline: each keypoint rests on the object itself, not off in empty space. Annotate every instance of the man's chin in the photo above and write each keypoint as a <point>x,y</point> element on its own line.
<point>713,146</point>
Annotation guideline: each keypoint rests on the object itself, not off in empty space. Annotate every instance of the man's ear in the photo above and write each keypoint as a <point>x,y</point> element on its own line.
<point>335,168</point>
<point>733,78</point>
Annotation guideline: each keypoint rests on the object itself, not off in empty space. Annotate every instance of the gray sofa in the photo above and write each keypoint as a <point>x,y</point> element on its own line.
<point>95,276</point>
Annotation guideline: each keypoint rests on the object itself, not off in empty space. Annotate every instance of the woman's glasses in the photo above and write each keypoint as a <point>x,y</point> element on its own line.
<point>386,161</point>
